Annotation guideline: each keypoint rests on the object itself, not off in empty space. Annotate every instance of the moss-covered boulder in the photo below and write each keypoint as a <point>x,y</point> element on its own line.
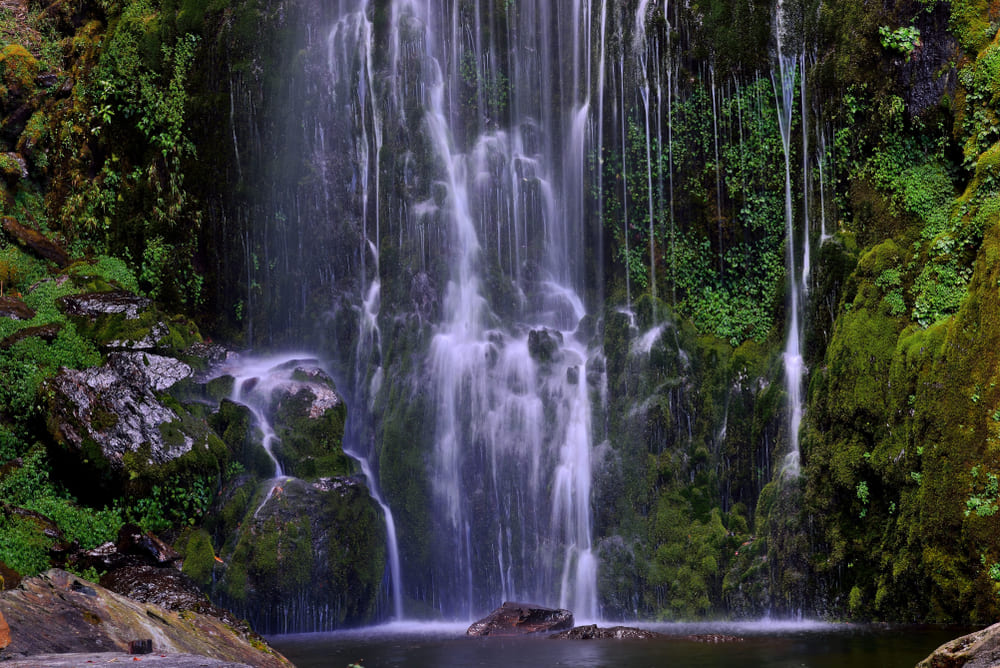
<point>309,421</point>
<point>310,557</point>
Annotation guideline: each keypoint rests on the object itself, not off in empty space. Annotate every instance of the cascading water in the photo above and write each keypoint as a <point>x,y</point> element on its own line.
<point>466,129</point>
<point>513,414</point>
<point>784,93</point>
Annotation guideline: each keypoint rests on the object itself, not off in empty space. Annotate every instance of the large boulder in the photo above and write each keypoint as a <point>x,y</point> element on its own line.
<point>300,556</point>
<point>521,618</point>
<point>57,613</point>
<point>976,650</point>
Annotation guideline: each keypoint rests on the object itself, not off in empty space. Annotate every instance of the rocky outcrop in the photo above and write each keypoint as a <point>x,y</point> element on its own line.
<point>594,632</point>
<point>92,305</point>
<point>521,618</point>
<point>57,613</point>
<point>976,650</point>
<point>115,406</point>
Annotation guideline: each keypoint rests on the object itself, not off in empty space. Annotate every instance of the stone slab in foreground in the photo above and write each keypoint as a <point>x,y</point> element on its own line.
<point>976,650</point>
<point>521,618</point>
<point>92,659</point>
<point>59,613</point>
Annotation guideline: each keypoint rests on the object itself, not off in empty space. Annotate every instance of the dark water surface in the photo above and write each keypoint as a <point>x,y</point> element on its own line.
<point>764,644</point>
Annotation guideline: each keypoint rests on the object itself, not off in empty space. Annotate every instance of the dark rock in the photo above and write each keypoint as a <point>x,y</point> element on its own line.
<point>47,79</point>
<point>976,650</point>
<point>47,333</point>
<point>133,540</point>
<point>144,646</point>
<point>115,406</point>
<point>929,74</point>
<point>94,304</point>
<point>35,241</point>
<point>521,618</point>
<point>573,375</point>
<point>57,613</point>
<point>12,307</point>
<point>165,587</point>
<point>594,632</point>
<point>544,343</point>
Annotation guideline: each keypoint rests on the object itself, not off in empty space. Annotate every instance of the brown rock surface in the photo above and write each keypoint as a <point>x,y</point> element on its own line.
<point>12,307</point>
<point>520,618</point>
<point>976,650</point>
<point>59,613</point>
<point>4,632</point>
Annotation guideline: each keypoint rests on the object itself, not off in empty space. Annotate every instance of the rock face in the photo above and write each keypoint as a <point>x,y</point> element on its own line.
<point>58,613</point>
<point>520,618</point>
<point>976,650</point>
<point>115,406</point>
<point>594,632</point>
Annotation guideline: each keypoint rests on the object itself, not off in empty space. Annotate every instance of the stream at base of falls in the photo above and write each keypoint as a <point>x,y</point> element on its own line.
<point>764,644</point>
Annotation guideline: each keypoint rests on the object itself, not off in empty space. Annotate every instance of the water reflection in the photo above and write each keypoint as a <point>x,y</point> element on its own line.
<point>765,644</point>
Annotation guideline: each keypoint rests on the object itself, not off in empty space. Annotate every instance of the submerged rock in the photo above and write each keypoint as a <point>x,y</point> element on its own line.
<point>594,632</point>
<point>976,650</point>
<point>57,613</point>
<point>520,618</point>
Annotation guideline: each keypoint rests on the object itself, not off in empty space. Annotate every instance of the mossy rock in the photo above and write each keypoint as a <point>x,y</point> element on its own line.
<point>199,557</point>
<point>310,444</point>
<point>18,69</point>
<point>319,546</point>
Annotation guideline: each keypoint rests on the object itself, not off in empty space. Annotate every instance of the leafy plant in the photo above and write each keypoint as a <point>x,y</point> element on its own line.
<point>903,40</point>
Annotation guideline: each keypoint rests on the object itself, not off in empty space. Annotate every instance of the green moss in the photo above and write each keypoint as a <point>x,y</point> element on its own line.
<point>199,557</point>
<point>18,68</point>
<point>311,446</point>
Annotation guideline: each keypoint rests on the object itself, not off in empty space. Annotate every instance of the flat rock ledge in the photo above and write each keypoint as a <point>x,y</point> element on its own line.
<point>57,619</point>
<point>91,659</point>
<point>976,650</point>
<point>521,618</point>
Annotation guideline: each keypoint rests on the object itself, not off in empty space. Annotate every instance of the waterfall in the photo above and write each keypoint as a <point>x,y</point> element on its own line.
<point>461,135</point>
<point>784,94</point>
